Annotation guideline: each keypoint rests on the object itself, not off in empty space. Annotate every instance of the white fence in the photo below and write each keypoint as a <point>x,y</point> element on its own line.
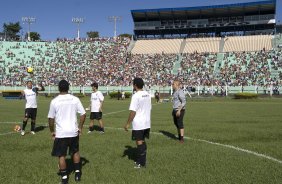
<point>192,90</point>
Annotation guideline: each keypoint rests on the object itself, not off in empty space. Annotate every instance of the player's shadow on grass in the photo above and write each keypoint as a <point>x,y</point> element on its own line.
<point>96,128</point>
<point>70,166</point>
<point>130,152</point>
<point>40,128</point>
<point>168,134</point>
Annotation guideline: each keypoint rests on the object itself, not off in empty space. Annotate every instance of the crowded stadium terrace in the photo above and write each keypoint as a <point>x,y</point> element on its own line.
<point>235,45</point>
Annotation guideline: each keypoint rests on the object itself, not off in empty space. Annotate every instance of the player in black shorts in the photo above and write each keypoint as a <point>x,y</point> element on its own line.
<point>140,117</point>
<point>30,95</point>
<point>63,110</point>
<point>96,107</point>
<point>179,102</point>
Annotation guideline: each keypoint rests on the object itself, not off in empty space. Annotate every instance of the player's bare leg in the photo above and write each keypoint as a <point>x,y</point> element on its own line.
<point>77,166</point>
<point>32,126</point>
<point>101,126</point>
<point>63,169</point>
<point>91,126</point>
<point>25,119</point>
<point>181,135</point>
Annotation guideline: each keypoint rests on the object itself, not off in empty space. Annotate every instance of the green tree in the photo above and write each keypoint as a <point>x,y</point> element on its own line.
<point>34,36</point>
<point>93,34</point>
<point>11,30</point>
<point>125,35</point>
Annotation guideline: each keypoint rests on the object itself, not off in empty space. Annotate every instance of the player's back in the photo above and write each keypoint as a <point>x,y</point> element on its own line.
<point>141,101</point>
<point>65,108</point>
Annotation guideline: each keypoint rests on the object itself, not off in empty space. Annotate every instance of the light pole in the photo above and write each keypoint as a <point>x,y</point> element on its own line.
<point>29,21</point>
<point>78,21</point>
<point>115,19</point>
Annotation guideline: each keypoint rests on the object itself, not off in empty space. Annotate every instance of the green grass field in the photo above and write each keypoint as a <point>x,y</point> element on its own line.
<point>252,127</point>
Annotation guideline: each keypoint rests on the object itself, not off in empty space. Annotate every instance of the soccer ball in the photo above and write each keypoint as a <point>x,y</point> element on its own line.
<point>29,70</point>
<point>17,128</point>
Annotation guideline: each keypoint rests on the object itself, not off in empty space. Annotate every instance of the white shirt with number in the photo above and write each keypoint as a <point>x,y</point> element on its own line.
<point>96,99</point>
<point>64,109</point>
<point>141,104</point>
<point>30,97</point>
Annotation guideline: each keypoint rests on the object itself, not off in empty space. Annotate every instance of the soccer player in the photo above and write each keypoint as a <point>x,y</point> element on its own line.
<point>122,95</point>
<point>63,110</point>
<point>96,106</point>
<point>140,117</point>
<point>157,96</point>
<point>30,107</point>
<point>179,102</point>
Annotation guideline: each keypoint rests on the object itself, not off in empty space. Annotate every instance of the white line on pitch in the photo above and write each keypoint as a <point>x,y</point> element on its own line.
<point>8,133</point>
<point>223,145</point>
<point>193,139</point>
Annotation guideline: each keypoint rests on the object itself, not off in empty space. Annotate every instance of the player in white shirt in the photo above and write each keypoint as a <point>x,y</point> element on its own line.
<point>63,110</point>
<point>140,117</point>
<point>96,105</point>
<point>123,95</point>
<point>30,107</point>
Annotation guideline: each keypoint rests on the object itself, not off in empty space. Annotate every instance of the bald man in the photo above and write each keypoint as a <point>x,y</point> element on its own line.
<point>179,102</point>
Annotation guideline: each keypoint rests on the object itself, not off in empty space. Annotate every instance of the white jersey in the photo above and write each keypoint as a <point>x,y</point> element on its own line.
<point>64,109</point>
<point>30,97</point>
<point>141,104</point>
<point>96,99</point>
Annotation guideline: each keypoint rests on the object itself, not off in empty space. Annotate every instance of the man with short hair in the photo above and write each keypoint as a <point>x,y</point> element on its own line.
<point>30,94</point>
<point>63,110</point>
<point>179,102</point>
<point>140,117</point>
<point>97,100</point>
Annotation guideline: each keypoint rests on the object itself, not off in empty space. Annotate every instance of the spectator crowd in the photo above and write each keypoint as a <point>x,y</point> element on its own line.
<point>107,62</point>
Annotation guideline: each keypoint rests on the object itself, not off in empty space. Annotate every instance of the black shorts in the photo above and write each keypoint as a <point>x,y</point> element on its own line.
<point>96,115</point>
<point>61,146</point>
<point>138,135</point>
<point>30,113</point>
<point>178,121</point>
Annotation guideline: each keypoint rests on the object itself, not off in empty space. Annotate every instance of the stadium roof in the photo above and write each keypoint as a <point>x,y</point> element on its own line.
<point>204,11</point>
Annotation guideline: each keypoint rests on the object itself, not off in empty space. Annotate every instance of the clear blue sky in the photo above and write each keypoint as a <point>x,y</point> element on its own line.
<point>54,16</point>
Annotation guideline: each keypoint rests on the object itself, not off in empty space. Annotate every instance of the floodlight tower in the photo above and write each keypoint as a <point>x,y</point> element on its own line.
<point>115,19</point>
<point>78,21</point>
<point>29,21</point>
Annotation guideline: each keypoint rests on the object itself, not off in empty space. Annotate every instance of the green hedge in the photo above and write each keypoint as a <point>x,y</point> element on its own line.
<point>246,96</point>
<point>114,94</point>
<point>52,95</point>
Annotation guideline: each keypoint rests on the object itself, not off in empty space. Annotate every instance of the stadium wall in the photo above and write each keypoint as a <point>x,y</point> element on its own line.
<point>278,16</point>
<point>199,90</point>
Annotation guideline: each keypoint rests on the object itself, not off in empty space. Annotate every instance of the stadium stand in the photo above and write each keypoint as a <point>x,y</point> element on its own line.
<point>158,46</point>
<point>202,45</point>
<point>247,43</point>
<point>217,49</point>
<point>107,62</point>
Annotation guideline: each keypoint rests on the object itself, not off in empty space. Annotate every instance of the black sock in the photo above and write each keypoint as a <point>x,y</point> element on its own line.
<point>91,128</point>
<point>32,125</point>
<point>64,175</point>
<point>141,154</point>
<point>77,167</point>
<point>181,137</point>
<point>24,125</point>
<point>102,129</point>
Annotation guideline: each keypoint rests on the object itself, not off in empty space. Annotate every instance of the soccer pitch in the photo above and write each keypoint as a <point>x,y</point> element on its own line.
<point>227,141</point>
